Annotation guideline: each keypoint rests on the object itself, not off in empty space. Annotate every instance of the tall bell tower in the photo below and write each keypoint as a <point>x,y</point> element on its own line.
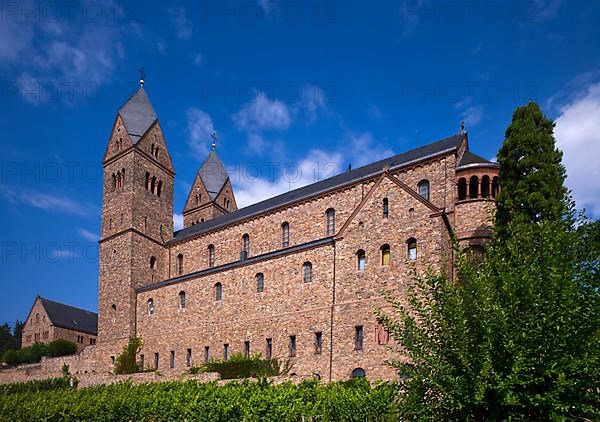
<point>137,215</point>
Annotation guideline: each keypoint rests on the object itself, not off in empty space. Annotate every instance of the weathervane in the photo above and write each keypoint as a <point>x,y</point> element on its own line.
<point>462,127</point>
<point>213,135</point>
<point>142,77</point>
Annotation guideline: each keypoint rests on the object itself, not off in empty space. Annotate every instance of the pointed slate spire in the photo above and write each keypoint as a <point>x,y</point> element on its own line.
<point>213,174</point>
<point>138,114</point>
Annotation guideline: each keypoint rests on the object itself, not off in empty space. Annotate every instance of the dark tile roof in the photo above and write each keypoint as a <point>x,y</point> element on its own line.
<point>417,154</point>
<point>213,174</point>
<point>71,318</point>
<point>137,114</point>
<point>470,158</point>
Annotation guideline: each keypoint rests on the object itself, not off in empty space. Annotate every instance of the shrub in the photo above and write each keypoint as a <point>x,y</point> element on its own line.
<point>36,385</point>
<point>10,357</point>
<point>240,367</point>
<point>61,347</point>
<point>126,362</point>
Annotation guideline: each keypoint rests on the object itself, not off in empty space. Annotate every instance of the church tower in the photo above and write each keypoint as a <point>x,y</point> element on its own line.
<point>211,194</point>
<point>137,215</point>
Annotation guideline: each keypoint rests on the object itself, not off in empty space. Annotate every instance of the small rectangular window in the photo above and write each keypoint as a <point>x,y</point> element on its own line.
<point>318,343</point>
<point>269,349</point>
<point>358,337</point>
<point>172,359</point>
<point>206,354</point>
<point>142,362</point>
<point>188,357</point>
<point>156,361</point>
<point>246,349</point>
<point>225,351</point>
<point>292,346</point>
<point>112,359</point>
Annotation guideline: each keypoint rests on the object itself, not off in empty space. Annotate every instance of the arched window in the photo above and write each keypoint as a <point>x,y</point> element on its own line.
<point>150,307</point>
<point>246,244</point>
<point>218,292</point>
<point>147,181</point>
<point>462,189</point>
<point>211,256</point>
<point>386,256</point>
<point>153,184</point>
<point>411,249</point>
<point>260,282</point>
<point>423,187</point>
<point>495,187</point>
<point>159,188</point>
<point>386,208</point>
<point>358,373</point>
<point>361,260</point>
<point>485,186</point>
<point>285,234</point>
<point>152,262</point>
<point>180,264</point>
<point>181,299</point>
<point>307,272</point>
<point>473,187</point>
<point>330,221</point>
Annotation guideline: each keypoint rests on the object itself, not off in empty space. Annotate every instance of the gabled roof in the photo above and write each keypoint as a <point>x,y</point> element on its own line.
<point>430,150</point>
<point>213,175</point>
<point>71,318</point>
<point>469,159</point>
<point>137,114</point>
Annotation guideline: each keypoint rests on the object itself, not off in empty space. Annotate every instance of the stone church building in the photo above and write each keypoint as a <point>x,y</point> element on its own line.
<point>295,276</point>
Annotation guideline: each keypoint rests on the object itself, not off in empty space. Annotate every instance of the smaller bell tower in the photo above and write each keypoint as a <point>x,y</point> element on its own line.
<point>211,194</point>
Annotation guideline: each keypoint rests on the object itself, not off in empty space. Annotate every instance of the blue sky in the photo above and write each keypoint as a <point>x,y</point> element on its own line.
<point>296,90</point>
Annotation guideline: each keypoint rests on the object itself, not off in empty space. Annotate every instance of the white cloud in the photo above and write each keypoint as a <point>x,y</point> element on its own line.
<point>317,165</point>
<point>183,26</point>
<point>361,149</point>
<point>263,113</point>
<point>578,136</point>
<point>46,201</point>
<point>64,54</point>
<point>199,127</point>
<point>472,116</point>
<point>542,9</point>
<point>88,235</point>
<point>177,221</point>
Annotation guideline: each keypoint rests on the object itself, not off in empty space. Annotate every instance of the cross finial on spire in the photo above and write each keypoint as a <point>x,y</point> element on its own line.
<point>142,77</point>
<point>462,127</point>
<point>213,135</point>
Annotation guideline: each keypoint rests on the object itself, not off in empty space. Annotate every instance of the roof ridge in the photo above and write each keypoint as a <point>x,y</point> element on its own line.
<point>340,179</point>
<point>65,304</point>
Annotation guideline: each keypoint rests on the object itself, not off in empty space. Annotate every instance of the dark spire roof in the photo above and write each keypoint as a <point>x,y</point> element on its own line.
<point>469,158</point>
<point>430,150</point>
<point>137,114</point>
<point>213,174</point>
<point>71,318</point>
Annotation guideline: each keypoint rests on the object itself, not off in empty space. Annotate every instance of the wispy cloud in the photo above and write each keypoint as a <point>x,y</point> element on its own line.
<point>183,26</point>
<point>263,113</point>
<point>88,235</point>
<point>46,201</point>
<point>199,127</point>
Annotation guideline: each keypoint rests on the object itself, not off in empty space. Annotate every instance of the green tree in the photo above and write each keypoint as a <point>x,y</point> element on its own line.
<point>61,347</point>
<point>6,338</point>
<point>531,173</point>
<point>17,331</point>
<point>126,362</point>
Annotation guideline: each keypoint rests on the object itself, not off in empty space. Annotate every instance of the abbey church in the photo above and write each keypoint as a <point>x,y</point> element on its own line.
<point>297,276</point>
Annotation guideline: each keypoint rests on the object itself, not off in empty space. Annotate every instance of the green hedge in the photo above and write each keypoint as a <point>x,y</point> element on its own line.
<point>36,385</point>
<point>353,400</point>
<point>240,367</point>
<point>34,353</point>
